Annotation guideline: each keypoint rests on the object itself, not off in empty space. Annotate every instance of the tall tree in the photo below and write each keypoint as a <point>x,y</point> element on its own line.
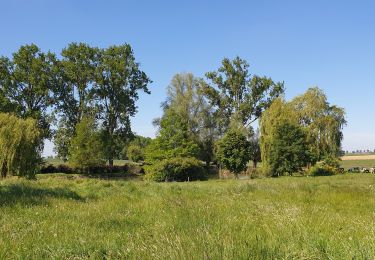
<point>118,81</point>
<point>73,91</point>
<point>77,70</point>
<point>185,97</point>
<point>26,83</point>
<point>324,122</point>
<point>237,95</point>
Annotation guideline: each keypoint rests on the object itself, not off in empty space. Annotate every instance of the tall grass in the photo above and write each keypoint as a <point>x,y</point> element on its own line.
<point>322,217</point>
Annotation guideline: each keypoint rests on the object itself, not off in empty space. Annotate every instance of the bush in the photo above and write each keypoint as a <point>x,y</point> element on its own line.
<point>135,153</point>
<point>93,170</point>
<point>323,170</point>
<point>176,169</point>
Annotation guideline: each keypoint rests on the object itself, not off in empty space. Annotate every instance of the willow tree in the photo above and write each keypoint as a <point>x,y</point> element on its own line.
<point>320,122</point>
<point>20,146</point>
<point>324,122</point>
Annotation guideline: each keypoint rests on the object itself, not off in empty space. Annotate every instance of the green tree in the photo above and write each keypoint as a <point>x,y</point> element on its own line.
<point>135,153</point>
<point>137,145</point>
<point>118,81</point>
<point>173,140</point>
<point>233,151</point>
<point>289,151</point>
<point>62,139</point>
<point>26,83</point>
<point>73,93</point>
<point>323,122</point>
<point>20,146</point>
<point>254,149</point>
<point>86,148</point>
<point>185,97</point>
<point>238,96</point>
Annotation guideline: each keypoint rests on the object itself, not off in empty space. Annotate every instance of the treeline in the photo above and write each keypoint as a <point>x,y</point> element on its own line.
<point>84,99</point>
<point>89,94</point>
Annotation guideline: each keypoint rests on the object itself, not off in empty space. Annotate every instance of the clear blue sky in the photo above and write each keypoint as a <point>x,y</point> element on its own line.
<point>330,44</point>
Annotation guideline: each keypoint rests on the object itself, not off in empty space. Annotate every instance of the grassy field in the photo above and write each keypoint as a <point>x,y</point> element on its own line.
<point>290,217</point>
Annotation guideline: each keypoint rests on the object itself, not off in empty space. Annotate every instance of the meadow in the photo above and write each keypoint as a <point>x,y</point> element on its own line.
<point>70,217</point>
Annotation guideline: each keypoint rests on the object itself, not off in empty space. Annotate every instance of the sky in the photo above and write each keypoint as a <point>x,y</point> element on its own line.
<point>329,44</point>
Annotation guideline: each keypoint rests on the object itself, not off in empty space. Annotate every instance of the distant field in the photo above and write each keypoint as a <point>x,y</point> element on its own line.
<point>358,157</point>
<point>68,217</point>
<point>365,161</point>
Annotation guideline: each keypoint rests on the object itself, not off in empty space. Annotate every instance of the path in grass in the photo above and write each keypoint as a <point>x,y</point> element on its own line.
<point>323,217</point>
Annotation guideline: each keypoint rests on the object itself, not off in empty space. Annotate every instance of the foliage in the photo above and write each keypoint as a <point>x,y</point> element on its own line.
<point>176,169</point>
<point>322,170</point>
<point>26,82</point>
<point>254,149</point>
<point>105,170</point>
<point>173,140</point>
<point>118,80</point>
<point>237,95</point>
<point>233,151</point>
<point>62,139</point>
<point>185,97</point>
<point>323,122</point>
<point>86,148</point>
<point>20,146</point>
<point>331,161</point>
<point>135,153</point>
<point>289,150</point>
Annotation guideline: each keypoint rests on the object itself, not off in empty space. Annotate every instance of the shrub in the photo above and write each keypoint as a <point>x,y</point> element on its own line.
<point>323,170</point>
<point>232,151</point>
<point>176,169</point>
<point>93,170</point>
<point>135,153</point>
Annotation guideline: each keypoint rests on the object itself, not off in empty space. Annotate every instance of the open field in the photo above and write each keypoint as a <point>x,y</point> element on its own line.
<point>366,161</point>
<point>358,157</point>
<point>289,217</point>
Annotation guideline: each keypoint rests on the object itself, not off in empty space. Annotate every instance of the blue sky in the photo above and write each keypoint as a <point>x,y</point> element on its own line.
<point>330,44</point>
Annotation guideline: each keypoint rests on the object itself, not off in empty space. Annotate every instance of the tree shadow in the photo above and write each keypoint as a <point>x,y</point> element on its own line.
<point>20,194</point>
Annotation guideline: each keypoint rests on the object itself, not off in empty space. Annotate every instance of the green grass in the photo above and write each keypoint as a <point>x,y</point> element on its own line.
<point>289,217</point>
<point>358,163</point>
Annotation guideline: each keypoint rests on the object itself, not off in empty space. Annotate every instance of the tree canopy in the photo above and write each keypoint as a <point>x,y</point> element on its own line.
<point>20,146</point>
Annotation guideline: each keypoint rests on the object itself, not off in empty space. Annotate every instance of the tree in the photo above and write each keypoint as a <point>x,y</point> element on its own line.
<point>185,97</point>
<point>20,146</point>
<point>62,139</point>
<point>118,81</point>
<point>135,149</point>
<point>135,153</point>
<point>86,147</point>
<point>323,122</point>
<point>76,72</point>
<point>26,82</point>
<point>237,95</point>
<point>254,149</point>
<point>73,92</point>
<point>233,151</point>
<point>289,151</point>
<point>173,140</point>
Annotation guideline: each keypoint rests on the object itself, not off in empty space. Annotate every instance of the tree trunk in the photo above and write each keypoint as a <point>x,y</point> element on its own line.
<point>4,170</point>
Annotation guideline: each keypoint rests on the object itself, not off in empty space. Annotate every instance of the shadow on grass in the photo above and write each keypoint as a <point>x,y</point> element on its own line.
<point>27,195</point>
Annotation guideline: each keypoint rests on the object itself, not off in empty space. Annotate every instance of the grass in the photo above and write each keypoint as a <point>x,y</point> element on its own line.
<point>289,217</point>
<point>358,163</point>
